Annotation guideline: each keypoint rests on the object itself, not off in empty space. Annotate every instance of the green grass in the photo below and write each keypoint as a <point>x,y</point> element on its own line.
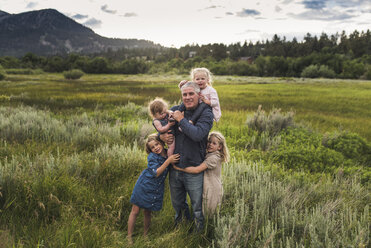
<point>327,105</point>
<point>71,151</point>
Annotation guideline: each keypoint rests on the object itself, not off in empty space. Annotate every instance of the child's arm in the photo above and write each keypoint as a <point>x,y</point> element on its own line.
<point>205,100</point>
<point>213,101</point>
<point>160,128</point>
<point>170,160</point>
<point>193,169</point>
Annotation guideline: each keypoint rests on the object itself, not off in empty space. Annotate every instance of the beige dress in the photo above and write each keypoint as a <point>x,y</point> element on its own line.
<point>213,188</point>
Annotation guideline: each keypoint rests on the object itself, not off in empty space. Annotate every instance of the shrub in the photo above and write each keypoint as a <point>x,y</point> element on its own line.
<point>73,74</point>
<point>2,73</point>
<point>272,123</point>
<point>351,145</point>
<point>367,74</point>
<point>310,72</point>
<point>326,72</point>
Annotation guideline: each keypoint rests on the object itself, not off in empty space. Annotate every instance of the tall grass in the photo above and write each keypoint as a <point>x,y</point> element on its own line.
<point>71,152</point>
<point>261,211</point>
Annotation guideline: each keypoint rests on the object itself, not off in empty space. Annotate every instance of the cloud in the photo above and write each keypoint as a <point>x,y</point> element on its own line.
<point>104,8</point>
<point>287,1</point>
<point>93,23</point>
<point>278,9</point>
<point>323,15</point>
<point>314,4</point>
<point>248,31</point>
<point>350,3</point>
<point>31,5</point>
<point>248,12</point>
<point>130,14</point>
<point>229,13</point>
<point>79,16</point>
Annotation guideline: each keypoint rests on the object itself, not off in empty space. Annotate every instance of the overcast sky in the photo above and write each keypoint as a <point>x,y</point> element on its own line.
<point>180,22</point>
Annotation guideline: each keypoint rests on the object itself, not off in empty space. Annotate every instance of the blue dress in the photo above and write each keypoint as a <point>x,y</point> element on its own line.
<point>148,191</point>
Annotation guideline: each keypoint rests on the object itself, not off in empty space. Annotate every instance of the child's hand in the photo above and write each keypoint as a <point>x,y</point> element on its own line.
<point>173,158</point>
<point>205,100</point>
<point>183,82</point>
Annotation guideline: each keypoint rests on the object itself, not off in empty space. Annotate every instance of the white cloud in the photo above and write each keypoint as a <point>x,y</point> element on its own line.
<point>104,8</point>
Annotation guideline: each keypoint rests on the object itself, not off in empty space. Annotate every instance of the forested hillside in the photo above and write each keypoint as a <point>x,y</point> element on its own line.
<point>334,56</point>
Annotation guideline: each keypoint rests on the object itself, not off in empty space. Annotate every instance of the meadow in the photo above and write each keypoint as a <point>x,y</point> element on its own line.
<point>71,151</point>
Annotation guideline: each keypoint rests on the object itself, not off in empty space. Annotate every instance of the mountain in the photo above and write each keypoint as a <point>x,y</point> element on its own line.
<point>48,32</point>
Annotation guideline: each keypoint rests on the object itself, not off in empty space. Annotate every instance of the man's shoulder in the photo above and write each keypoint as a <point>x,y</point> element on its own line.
<point>174,108</point>
<point>206,109</point>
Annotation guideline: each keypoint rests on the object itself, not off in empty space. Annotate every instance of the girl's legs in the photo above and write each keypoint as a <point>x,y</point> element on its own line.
<point>131,222</point>
<point>147,221</point>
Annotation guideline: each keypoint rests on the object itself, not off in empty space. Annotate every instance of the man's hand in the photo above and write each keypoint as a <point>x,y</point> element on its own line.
<point>168,138</point>
<point>178,116</point>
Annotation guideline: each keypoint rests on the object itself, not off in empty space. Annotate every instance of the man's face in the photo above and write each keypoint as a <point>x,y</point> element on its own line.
<point>190,98</point>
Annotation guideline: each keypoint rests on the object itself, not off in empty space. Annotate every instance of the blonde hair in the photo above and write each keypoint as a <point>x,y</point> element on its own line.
<point>194,71</point>
<point>224,151</point>
<point>152,137</point>
<point>157,106</point>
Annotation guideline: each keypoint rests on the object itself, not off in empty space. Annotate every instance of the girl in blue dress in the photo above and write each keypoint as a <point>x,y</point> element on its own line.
<point>148,191</point>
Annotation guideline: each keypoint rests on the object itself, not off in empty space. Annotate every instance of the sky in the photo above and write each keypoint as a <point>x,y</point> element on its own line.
<point>175,23</point>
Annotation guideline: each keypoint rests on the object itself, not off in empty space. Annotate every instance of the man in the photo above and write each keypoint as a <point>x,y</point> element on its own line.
<point>190,143</point>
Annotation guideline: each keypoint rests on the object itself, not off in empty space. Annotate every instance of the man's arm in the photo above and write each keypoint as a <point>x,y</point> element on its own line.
<point>201,129</point>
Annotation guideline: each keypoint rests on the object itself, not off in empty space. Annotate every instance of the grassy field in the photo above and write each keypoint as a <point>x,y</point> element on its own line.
<point>325,104</point>
<point>71,151</point>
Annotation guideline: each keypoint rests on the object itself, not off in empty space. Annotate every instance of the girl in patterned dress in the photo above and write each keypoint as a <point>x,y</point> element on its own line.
<point>148,191</point>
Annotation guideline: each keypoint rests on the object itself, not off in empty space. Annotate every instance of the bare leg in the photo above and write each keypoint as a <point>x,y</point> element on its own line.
<point>131,222</point>
<point>147,221</point>
<point>171,148</point>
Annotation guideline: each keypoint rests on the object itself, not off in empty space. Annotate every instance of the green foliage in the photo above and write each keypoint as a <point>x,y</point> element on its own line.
<point>351,145</point>
<point>353,69</point>
<point>367,74</point>
<point>2,73</point>
<point>73,74</point>
<point>26,71</point>
<point>310,72</point>
<point>325,72</point>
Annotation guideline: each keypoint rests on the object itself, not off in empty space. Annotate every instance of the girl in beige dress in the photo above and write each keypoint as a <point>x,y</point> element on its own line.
<point>217,153</point>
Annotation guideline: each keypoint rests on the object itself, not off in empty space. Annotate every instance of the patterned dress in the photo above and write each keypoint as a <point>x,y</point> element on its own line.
<point>148,191</point>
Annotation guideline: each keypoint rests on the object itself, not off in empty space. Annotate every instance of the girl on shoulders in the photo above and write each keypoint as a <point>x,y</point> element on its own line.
<point>209,96</point>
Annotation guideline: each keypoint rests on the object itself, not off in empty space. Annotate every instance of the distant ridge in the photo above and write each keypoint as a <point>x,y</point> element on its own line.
<point>48,32</point>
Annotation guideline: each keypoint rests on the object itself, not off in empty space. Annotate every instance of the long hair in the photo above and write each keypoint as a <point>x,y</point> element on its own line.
<point>224,151</point>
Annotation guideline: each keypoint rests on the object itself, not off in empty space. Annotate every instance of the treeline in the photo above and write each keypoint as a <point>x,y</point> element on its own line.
<point>335,56</point>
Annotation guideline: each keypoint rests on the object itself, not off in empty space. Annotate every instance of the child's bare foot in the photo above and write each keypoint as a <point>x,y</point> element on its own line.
<point>130,240</point>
